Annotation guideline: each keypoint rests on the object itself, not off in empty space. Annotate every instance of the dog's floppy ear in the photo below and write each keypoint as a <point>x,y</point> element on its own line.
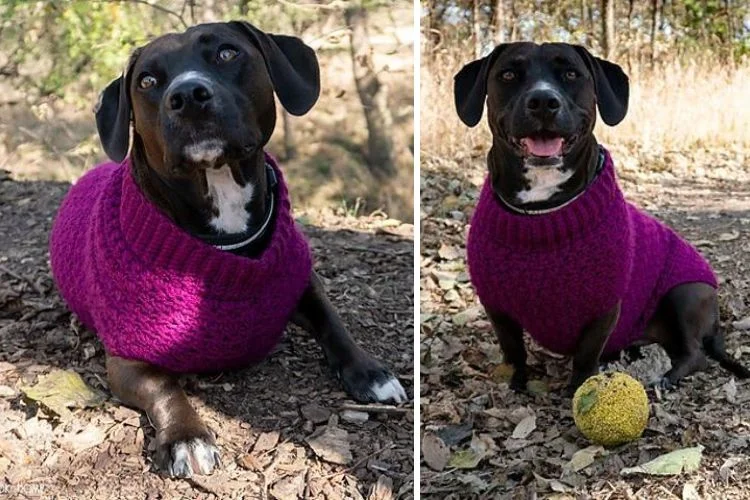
<point>470,87</point>
<point>292,65</point>
<point>612,87</point>
<point>113,112</point>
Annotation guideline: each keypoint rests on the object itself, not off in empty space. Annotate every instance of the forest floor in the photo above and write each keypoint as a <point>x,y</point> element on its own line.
<point>266,416</point>
<point>469,415</point>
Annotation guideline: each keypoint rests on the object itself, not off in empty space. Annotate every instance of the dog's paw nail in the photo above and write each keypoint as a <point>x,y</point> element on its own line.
<point>390,390</point>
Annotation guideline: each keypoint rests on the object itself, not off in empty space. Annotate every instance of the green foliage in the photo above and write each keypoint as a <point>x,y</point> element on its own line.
<point>72,48</point>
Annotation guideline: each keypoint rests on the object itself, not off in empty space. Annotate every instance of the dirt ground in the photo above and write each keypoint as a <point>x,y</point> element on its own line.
<point>467,406</point>
<point>263,415</point>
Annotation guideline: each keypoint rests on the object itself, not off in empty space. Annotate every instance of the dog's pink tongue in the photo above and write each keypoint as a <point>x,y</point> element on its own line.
<point>543,147</point>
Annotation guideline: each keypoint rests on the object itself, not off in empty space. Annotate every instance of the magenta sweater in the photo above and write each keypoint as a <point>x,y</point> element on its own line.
<point>556,272</point>
<point>153,292</point>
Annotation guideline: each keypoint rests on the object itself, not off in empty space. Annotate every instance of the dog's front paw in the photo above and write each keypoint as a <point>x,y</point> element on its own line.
<point>183,453</point>
<point>368,381</point>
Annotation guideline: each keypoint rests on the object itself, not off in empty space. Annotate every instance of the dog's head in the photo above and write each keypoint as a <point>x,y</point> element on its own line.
<point>205,96</point>
<point>541,99</point>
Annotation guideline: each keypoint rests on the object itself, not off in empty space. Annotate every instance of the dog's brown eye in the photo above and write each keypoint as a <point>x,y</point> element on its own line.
<point>508,75</point>
<point>571,75</point>
<point>147,82</point>
<point>226,55</point>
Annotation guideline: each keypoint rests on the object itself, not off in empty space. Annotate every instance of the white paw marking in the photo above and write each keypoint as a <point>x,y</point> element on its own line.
<point>229,199</point>
<point>181,454</point>
<point>543,182</point>
<point>202,452</point>
<point>390,390</point>
<point>204,151</point>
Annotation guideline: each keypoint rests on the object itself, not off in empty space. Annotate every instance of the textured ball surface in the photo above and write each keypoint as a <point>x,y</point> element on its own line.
<point>611,409</point>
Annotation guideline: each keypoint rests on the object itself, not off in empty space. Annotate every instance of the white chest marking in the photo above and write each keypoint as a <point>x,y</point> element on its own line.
<point>543,183</point>
<point>229,199</point>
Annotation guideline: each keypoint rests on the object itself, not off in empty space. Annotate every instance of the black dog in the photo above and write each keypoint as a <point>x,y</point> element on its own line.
<point>201,107</point>
<point>541,107</point>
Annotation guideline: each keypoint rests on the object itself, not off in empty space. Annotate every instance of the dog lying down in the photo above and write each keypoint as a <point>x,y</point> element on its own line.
<point>183,255</point>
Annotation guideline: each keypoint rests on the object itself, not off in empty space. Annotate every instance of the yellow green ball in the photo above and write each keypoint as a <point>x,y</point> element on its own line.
<point>611,409</point>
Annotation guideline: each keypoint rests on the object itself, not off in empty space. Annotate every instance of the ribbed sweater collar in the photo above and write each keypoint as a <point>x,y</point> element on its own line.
<point>146,237</point>
<point>534,231</point>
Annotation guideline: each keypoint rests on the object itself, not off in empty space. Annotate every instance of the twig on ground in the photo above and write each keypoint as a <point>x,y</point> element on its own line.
<point>375,408</point>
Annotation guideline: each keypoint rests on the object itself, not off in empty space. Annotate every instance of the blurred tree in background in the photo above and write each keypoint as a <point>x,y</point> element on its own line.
<point>61,53</point>
<point>636,31</point>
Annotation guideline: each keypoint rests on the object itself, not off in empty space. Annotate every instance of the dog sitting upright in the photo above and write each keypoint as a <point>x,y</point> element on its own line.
<point>184,257</point>
<point>554,248</point>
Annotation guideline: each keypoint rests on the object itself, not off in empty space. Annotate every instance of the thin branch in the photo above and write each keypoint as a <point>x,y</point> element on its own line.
<point>154,6</point>
<point>333,5</point>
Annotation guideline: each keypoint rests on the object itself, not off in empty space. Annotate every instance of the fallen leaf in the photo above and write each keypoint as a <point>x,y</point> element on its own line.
<point>6,391</point>
<point>502,373</point>
<point>583,458</point>
<point>465,459</point>
<point>730,390</point>
<point>454,434</point>
<point>315,413</point>
<point>382,489</point>
<point>464,317</point>
<point>538,387</point>
<point>524,427</point>
<point>435,452</point>
<point>743,324</point>
<point>689,492</point>
<point>62,389</point>
<point>87,438</point>
<point>669,464</point>
<point>332,445</point>
<point>726,468</point>
<point>266,441</point>
<point>449,252</point>
<point>288,487</point>
<point>731,236</point>
<point>470,458</point>
<point>552,484</point>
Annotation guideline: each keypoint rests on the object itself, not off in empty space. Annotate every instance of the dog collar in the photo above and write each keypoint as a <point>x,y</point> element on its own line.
<point>241,241</point>
<point>543,211</point>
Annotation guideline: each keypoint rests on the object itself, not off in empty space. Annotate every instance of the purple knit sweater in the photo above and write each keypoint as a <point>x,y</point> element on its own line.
<point>153,292</point>
<point>555,273</point>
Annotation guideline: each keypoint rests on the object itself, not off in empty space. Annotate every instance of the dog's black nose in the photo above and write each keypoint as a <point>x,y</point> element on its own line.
<point>189,94</point>
<point>543,103</point>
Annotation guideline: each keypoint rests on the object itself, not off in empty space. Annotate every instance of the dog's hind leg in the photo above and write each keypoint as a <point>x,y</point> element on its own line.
<point>184,445</point>
<point>686,325</point>
<point>364,378</point>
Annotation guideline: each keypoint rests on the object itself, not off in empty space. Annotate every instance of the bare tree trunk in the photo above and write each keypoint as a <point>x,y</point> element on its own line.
<point>499,21</point>
<point>730,30</point>
<point>372,95</point>
<point>654,24</point>
<point>209,11</point>
<point>608,28</point>
<point>290,145</point>
<point>476,29</point>
<point>512,21</point>
<point>244,7</point>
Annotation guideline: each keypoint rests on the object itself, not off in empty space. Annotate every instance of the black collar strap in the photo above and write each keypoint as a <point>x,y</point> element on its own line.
<point>522,211</point>
<point>255,233</point>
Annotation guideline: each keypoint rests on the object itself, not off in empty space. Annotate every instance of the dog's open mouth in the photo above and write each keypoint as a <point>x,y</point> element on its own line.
<point>545,144</point>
